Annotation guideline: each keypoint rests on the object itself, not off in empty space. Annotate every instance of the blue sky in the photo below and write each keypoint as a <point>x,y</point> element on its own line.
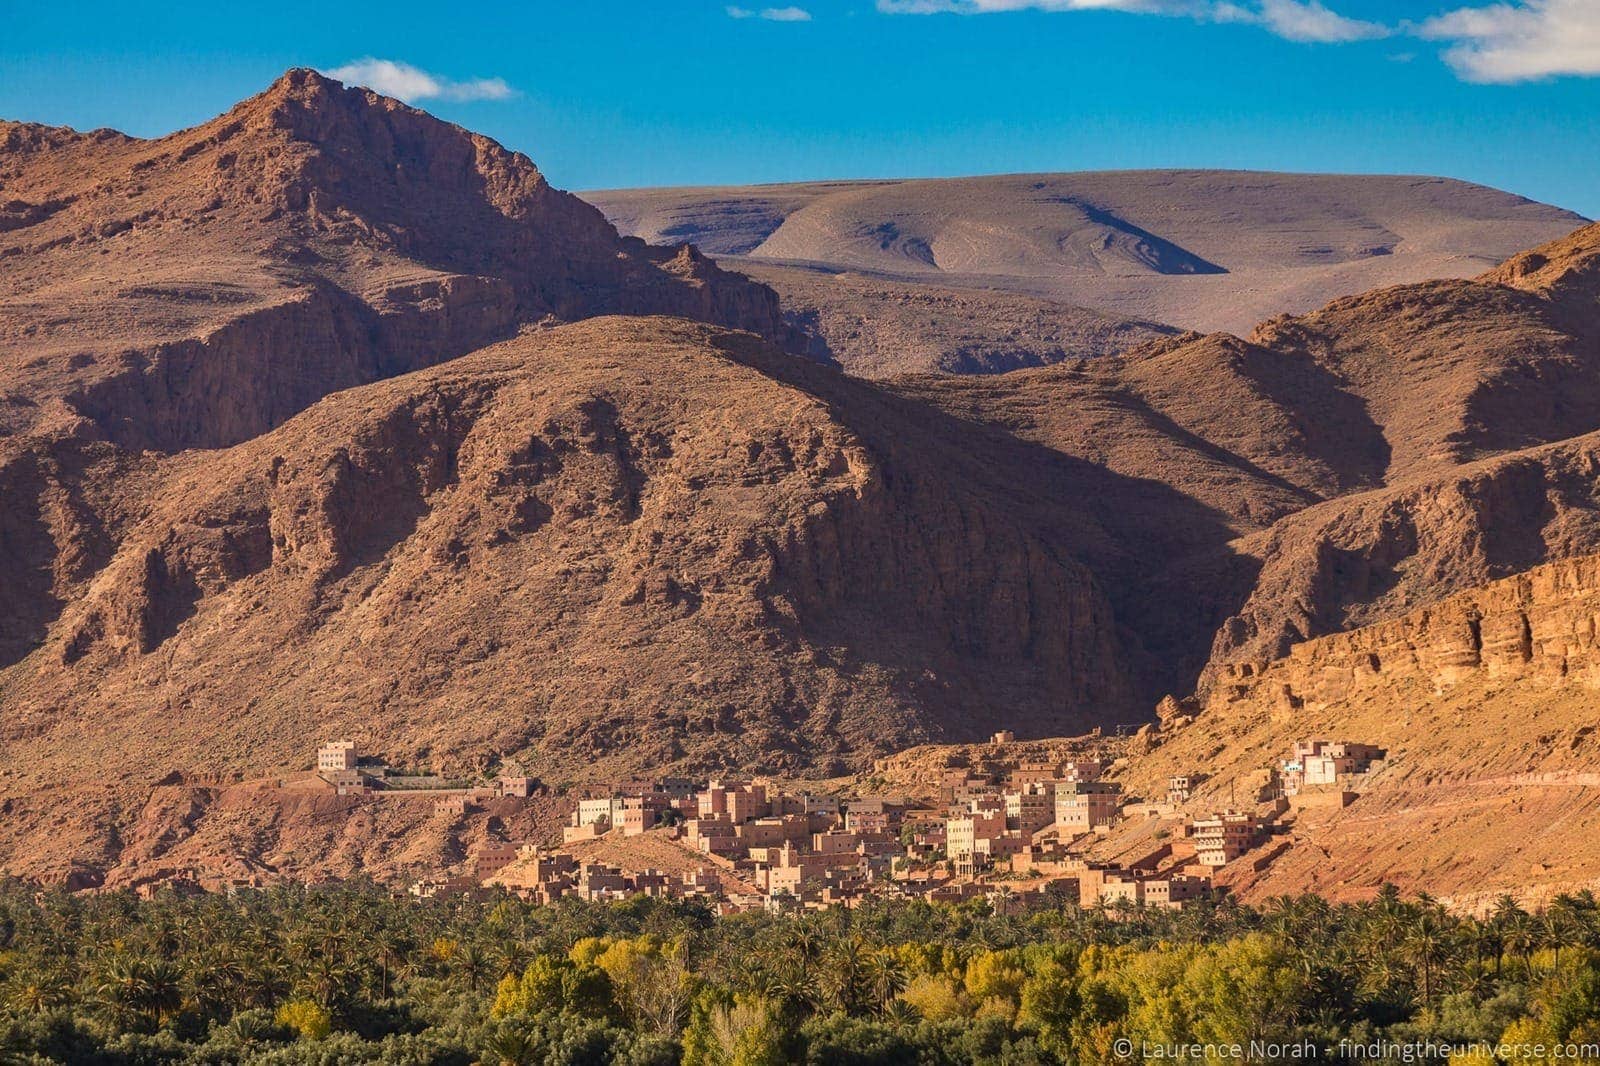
<point>610,93</point>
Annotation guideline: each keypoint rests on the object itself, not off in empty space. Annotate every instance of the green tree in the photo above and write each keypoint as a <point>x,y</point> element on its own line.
<point>746,1031</point>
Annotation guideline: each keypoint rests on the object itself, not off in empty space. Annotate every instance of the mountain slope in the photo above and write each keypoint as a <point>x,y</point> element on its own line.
<point>627,542</point>
<point>1205,250</point>
<point>1386,451</point>
<point>1487,396</point>
<point>877,327</point>
<point>201,288</point>
<point>1484,702</point>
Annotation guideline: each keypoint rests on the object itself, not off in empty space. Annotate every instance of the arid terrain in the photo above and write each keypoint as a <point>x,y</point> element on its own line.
<point>1110,253</point>
<point>1485,702</point>
<point>877,327</point>
<point>327,418</point>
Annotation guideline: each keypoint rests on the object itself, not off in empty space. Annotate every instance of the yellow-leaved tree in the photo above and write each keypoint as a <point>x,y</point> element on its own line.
<point>308,1019</point>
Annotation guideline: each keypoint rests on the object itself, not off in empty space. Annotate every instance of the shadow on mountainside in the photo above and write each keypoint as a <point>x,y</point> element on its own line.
<point>1162,560</point>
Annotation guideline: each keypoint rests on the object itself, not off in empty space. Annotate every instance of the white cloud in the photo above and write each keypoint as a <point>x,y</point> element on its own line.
<point>771,14</point>
<point>1511,42</point>
<point>1505,41</point>
<point>1295,20</point>
<point>1310,21</point>
<point>411,84</point>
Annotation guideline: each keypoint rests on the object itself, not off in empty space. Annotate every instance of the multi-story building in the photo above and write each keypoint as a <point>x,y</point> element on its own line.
<point>1031,772</point>
<point>596,810</point>
<point>821,805</point>
<point>1362,755</point>
<point>488,857</point>
<point>674,788</point>
<point>792,870</point>
<point>1083,769</point>
<point>336,755</point>
<point>772,832</point>
<point>739,801</point>
<point>1083,806</point>
<point>1031,807</point>
<point>868,815</point>
<point>835,843</point>
<point>1325,762</point>
<point>973,833</point>
<point>639,813</point>
<point>1224,837</point>
<point>1174,891</point>
<point>715,836</point>
<point>597,881</point>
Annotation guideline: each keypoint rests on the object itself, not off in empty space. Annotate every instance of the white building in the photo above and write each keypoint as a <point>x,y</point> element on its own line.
<point>336,755</point>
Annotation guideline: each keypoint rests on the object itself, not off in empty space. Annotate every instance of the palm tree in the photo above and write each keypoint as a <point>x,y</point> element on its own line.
<point>1427,944</point>
<point>121,988</point>
<point>1516,930</point>
<point>900,1013</point>
<point>885,977</point>
<point>1561,925</point>
<point>1484,937</point>
<point>795,987</point>
<point>37,993</point>
<point>511,1045</point>
<point>390,947</point>
<point>472,962</point>
<point>163,991</point>
<point>325,977</point>
<point>805,944</point>
<point>845,978</point>
<point>512,956</point>
<point>216,983</point>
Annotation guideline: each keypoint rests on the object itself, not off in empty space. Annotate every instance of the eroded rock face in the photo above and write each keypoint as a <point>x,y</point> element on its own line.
<point>620,544</point>
<point>1334,470</point>
<point>1356,560</point>
<point>1567,271</point>
<point>200,289</point>
<point>1541,627</point>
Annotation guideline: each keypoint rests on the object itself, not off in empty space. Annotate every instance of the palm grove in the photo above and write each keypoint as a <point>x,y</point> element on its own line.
<point>348,974</point>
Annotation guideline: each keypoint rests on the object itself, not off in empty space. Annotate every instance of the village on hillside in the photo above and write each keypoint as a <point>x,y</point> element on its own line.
<point>1016,823</point>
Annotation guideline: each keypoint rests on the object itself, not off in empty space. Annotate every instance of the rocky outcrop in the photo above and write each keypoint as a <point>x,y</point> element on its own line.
<point>1566,271</point>
<point>620,544</point>
<point>1354,560</point>
<point>1541,627</point>
<point>311,239</point>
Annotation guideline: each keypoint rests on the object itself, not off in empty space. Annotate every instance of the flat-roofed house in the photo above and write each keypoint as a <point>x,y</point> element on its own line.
<point>1031,807</point>
<point>336,755</point>
<point>1084,806</point>
<point>1224,837</point>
